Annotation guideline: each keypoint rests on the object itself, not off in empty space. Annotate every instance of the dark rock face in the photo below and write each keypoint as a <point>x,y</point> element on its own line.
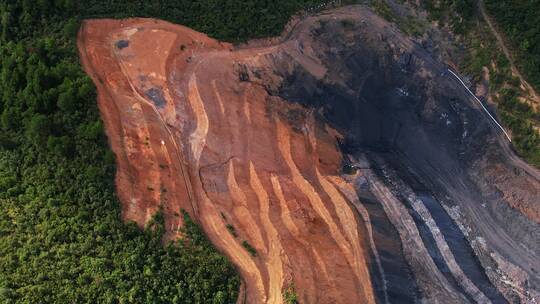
<point>156,95</point>
<point>385,98</point>
<point>399,279</point>
<point>402,110</point>
<point>120,44</point>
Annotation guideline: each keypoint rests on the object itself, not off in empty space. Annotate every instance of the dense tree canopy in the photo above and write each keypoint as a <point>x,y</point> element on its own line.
<point>520,21</point>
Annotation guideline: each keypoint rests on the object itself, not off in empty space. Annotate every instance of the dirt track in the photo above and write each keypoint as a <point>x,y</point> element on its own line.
<point>532,92</point>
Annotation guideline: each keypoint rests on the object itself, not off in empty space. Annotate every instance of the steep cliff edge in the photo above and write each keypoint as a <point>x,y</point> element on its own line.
<point>251,141</point>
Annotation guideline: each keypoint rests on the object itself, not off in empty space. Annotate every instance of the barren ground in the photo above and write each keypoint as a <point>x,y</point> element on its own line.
<point>188,135</point>
<point>251,141</point>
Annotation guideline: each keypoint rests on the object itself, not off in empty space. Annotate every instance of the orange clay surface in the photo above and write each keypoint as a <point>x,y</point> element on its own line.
<point>189,135</point>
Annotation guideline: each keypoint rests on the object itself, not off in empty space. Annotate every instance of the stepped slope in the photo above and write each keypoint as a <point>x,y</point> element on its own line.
<point>251,140</point>
<point>248,166</point>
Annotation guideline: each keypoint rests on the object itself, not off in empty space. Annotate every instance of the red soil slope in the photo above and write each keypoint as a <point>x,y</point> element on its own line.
<point>188,134</point>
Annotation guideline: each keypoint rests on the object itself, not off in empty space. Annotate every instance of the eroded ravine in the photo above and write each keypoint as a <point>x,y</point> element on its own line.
<point>250,141</point>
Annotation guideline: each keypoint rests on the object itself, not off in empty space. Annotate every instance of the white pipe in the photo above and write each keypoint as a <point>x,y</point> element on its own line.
<point>481,104</point>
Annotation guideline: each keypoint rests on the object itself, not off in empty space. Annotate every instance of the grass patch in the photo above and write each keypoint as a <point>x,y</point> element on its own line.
<point>231,230</point>
<point>289,295</point>
<point>252,251</point>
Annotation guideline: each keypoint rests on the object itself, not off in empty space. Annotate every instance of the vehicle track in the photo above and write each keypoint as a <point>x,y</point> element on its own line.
<point>505,50</point>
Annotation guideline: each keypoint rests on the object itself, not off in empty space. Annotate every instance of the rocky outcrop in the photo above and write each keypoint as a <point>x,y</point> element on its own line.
<point>251,141</point>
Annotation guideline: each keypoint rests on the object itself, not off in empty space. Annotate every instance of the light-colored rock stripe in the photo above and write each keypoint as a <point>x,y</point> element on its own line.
<point>274,263</point>
<point>214,226</point>
<point>309,191</point>
<point>218,97</point>
<point>349,191</point>
<point>198,137</point>
<point>329,278</point>
<point>286,212</point>
<point>449,258</point>
<point>295,232</point>
<point>246,105</point>
<point>345,216</point>
<point>242,211</point>
<point>348,222</point>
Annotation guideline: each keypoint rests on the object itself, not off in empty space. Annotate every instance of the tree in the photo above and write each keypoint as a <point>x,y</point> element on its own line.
<point>67,100</point>
<point>38,128</point>
<point>10,119</point>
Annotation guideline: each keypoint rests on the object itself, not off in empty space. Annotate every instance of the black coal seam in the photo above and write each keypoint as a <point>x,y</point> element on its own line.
<point>401,282</point>
<point>434,252</point>
<point>418,184</point>
<point>414,180</point>
<point>427,238</point>
<point>401,285</point>
<point>376,278</point>
<point>474,271</point>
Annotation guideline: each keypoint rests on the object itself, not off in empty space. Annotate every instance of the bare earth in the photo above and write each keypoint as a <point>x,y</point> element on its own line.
<point>188,135</point>
<point>251,140</point>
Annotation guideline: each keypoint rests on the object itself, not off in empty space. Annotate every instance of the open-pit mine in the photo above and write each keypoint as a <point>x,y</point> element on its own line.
<point>339,160</point>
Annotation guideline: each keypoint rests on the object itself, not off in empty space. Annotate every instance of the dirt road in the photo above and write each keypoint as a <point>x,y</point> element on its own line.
<point>507,53</point>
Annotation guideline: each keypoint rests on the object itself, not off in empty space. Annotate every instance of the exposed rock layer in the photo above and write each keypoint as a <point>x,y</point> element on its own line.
<point>238,137</point>
<point>247,166</point>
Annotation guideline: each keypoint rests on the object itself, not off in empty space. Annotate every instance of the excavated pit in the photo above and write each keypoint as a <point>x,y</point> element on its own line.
<point>402,109</point>
<point>338,152</point>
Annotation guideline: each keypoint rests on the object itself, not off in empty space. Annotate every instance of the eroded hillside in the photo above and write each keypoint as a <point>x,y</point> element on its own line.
<point>252,142</point>
<point>249,167</point>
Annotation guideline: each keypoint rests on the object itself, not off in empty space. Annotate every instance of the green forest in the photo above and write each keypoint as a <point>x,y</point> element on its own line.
<point>520,21</point>
<point>520,24</point>
<point>482,51</point>
<point>61,237</point>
